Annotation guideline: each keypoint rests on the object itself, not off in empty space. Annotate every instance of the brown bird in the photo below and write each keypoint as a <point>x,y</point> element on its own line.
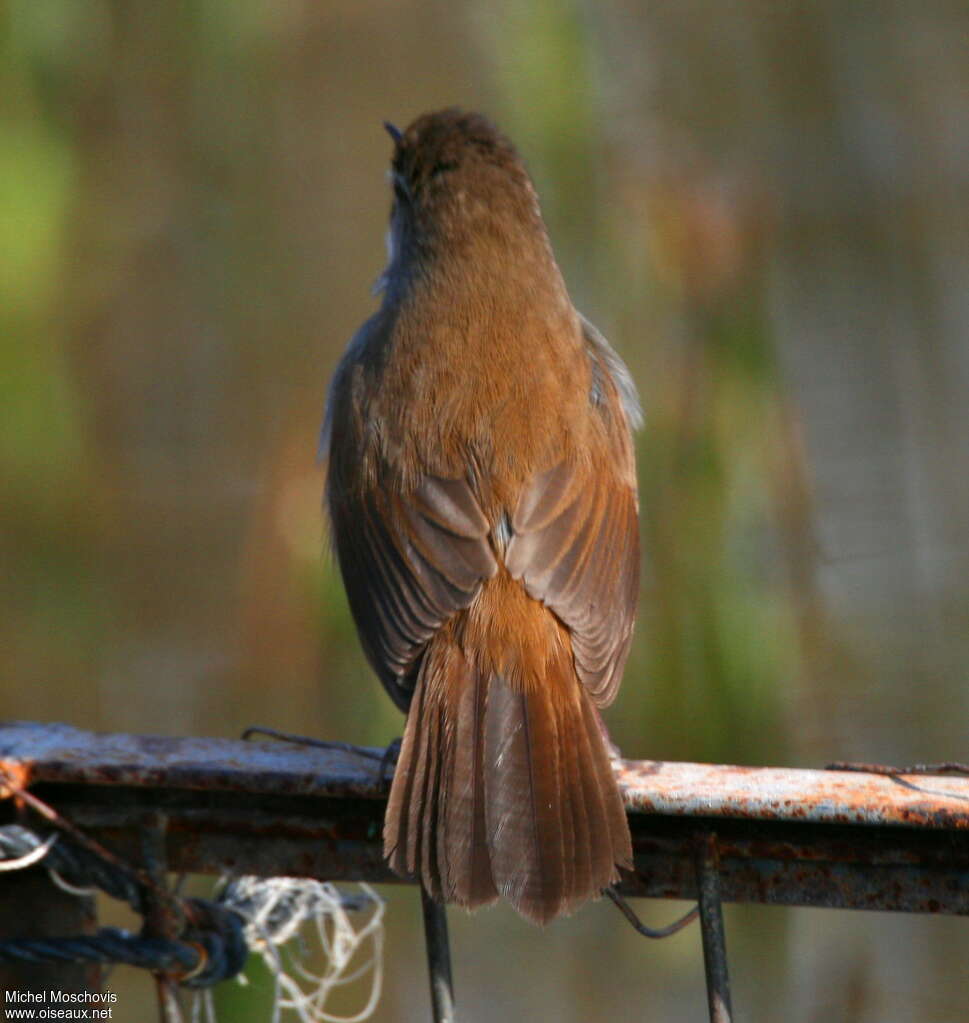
<point>482,495</point>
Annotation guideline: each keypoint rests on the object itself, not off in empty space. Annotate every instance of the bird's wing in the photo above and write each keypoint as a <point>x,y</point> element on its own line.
<point>575,545</point>
<point>608,366</point>
<point>408,565</point>
<point>575,541</point>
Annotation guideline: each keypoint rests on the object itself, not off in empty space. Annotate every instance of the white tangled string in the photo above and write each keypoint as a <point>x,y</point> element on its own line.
<point>282,915</point>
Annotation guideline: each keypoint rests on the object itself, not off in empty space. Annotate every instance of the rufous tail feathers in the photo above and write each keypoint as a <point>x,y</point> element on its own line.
<point>504,790</point>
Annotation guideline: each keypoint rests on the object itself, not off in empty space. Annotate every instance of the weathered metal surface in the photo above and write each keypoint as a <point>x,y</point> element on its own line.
<point>806,864</point>
<point>59,753</point>
<point>785,794</point>
<point>838,839</point>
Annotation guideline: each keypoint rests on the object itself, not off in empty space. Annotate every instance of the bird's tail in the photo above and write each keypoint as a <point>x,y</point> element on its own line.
<point>504,789</point>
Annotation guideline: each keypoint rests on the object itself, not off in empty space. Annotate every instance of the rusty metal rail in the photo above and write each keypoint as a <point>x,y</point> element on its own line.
<point>835,839</point>
<point>792,837</point>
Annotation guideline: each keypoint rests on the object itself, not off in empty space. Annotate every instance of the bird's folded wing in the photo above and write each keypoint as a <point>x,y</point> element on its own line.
<point>408,565</point>
<point>575,545</point>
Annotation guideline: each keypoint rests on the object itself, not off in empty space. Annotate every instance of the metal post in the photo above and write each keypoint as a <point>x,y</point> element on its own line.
<point>438,959</point>
<point>711,925</point>
<point>160,918</point>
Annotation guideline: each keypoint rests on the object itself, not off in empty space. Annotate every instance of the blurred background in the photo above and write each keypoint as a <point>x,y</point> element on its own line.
<point>764,206</point>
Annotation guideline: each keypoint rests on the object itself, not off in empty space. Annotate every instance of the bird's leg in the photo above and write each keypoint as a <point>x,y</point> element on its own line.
<point>389,760</point>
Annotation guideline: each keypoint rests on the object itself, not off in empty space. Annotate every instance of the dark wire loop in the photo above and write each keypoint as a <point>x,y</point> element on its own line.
<point>650,932</point>
<point>219,931</point>
<point>210,948</point>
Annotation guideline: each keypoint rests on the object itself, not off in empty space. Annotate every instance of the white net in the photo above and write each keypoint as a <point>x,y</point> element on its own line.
<point>313,939</point>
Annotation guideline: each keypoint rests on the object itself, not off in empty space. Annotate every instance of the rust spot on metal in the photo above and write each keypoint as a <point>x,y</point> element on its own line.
<point>14,775</point>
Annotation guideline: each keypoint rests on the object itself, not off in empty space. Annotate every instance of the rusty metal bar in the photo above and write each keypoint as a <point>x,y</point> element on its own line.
<point>711,927</point>
<point>787,837</point>
<point>438,959</point>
